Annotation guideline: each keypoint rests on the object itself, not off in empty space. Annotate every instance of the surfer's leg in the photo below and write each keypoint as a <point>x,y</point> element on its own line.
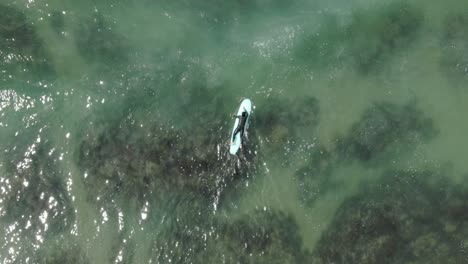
<point>242,138</point>
<point>235,133</point>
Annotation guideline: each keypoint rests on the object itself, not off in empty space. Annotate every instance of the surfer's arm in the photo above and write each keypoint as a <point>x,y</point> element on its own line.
<point>236,116</point>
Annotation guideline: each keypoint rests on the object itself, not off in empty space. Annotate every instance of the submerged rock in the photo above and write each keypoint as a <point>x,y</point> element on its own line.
<point>366,42</point>
<point>454,62</point>
<point>21,49</point>
<point>265,237</point>
<point>313,179</point>
<point>233,12</point>
<point>35,206</point>
<point>375,35</point>
<point>386,128</point>
<point>57,22</point>
<point>259,237</point>
<point>135,164</point>
<point>322,49</point>
<point>280,121</point>
<point>98,42</point>
<point>384,131</point>
<point>36,191</point>
<point>62,251</point>
<point>408,217</point>
<point>124,159</point>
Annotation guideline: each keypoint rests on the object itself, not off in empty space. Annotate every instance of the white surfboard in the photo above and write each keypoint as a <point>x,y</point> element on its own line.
<point>246,105</point>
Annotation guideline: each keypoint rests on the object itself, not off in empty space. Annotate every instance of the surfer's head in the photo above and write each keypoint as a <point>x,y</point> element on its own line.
<point>244,113</point>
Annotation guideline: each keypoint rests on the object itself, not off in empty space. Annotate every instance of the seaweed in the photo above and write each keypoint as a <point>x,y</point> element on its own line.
<point>99,43</point>
<point>366,42</point>
<point>384,129</point>
<point>122,159</point>
<point>313,179</point>
<point>21,49</point>
<point>408,216</point>
<point>323,48</point>
<point>454,44</point>
<point>376,35</point>
<point>259,237</point>
<point>36,189</point>
<point>61,251</point>
<point>57,22</point>
<point>265,237</point>
<point>237,10</point>
<point>282,120</point>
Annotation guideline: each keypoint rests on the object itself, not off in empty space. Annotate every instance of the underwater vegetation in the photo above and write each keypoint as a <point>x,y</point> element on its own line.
<point>283,120</point>
<point>386,129</point>
<point>57,22</point>
<point>61,251</point>
<point>454,62</point>
<point>98,42</point>
<point>21,49</point>
<point>233,11</point>
<point>265,237</point>
<point>366,42</point>
<point>322,48</point>
<point>120,161</point>
<point>198,99</point>
<point>36,188</point>
<point>34,203</point>
<point>408,216</point>
<point>375,36</point>
<point>182,235</point>
<point>258,237</point>
<point>313,179</point>
<point>123,158</point>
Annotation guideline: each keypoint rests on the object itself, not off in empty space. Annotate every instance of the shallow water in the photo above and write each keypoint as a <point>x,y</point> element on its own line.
<point>115,119</point>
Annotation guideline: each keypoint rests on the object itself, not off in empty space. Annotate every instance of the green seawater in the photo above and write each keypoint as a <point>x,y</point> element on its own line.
<point>115,119</point>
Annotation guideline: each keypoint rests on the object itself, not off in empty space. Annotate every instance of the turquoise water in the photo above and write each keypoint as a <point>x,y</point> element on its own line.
<point>115,119</point>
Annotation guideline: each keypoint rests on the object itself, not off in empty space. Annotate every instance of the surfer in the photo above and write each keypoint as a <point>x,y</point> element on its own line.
<point>241,126</point>
<point>241,123</point>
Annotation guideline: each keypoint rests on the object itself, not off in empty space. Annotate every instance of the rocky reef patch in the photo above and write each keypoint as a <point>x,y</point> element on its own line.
<point>408,216</point>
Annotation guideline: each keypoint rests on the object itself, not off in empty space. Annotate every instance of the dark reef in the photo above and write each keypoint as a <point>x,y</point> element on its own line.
<point>61,251</point>
<point>135,164</point>
<point>375,35</point>
<point>383,129</point>
<point>98,42</point>
<point>125,160</point>
<point>45,191</point>
<point>367,42</point>
<point>314,179</point>
<point>454,43</point>
<point>409,216</point>
<point>322,49</point>
<point>259,237</point>
<point>57,22</point>
<point>235,11</point>
<point>20,46</point>
<point>281,120</point>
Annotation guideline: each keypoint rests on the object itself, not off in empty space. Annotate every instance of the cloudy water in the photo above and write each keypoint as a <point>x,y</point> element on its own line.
<point>115,119</point>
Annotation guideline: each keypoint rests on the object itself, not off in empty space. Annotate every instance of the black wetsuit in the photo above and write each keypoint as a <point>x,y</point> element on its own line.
<point>241,126</point>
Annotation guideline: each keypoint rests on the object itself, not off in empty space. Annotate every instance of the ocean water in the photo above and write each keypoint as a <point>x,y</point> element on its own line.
<point>115,119</point>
